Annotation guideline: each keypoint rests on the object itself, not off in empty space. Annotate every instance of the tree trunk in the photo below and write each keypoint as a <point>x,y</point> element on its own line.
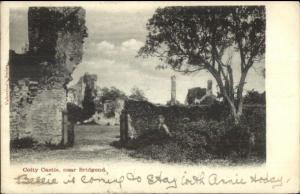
<point>240,99</point>
<point>235,114</point>
<point>236,110</point>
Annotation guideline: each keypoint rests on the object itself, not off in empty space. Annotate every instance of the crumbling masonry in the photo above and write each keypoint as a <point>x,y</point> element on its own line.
<point>38,78</point>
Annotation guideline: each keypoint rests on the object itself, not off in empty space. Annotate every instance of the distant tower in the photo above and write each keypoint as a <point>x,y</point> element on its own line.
<point>209,87</point>
<point>173,90</point>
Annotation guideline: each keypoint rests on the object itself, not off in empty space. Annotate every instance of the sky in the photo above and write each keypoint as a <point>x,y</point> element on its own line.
<point>114,37</point>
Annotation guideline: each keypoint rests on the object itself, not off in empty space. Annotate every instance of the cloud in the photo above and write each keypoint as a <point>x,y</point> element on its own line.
<point>117,27</point>
<point>132,44</point>
<point>104,45</point>
<point>97,65</point>
<point>126,50</point>
<point>119,60</point>
<point>116,65</point>
<point>102,49</point>
<point>110,50</point>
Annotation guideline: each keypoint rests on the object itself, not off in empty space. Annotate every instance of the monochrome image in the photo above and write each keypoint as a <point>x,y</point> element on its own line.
<point>166,84</point>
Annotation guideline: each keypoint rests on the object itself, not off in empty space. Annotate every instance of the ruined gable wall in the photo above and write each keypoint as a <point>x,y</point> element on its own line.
<point>56,37</point>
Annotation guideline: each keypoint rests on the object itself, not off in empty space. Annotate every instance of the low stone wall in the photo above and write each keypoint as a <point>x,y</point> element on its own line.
<point>138,117</point>
<point>141,116</point>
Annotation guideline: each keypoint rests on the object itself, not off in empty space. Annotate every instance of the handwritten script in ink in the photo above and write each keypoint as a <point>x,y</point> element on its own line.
<point>102,176</point>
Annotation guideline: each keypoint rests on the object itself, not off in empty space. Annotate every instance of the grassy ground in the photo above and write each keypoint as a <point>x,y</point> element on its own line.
<point>92,143</point>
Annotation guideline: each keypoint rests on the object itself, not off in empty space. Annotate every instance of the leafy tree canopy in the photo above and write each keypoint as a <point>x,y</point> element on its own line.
<point>191,39</point>
<point>112,93</point>
<point>137,94</point>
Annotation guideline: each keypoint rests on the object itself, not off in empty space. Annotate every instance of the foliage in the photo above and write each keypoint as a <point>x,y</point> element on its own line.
<point>169,102</point>
<point>46,26</point>
<point>205,140</point>
<point>88,103</point>
<point>254,97</point>
<point>137,94</point>
<point>75,113</point>
<point>191,39</point>
<point>194,93</point>
<point>26,142</point>
<point>255,119</point>
<point>112,94</point>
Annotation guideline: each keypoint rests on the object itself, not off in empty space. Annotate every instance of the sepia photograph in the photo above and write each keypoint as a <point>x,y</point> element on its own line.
<point>178,84</point>
<point>169,97</point>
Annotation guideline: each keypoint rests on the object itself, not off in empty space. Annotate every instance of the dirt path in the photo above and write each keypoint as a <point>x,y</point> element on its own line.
<point>92,143</point>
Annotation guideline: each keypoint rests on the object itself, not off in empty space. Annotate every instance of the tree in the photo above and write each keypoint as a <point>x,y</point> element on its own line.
<point>192,39</point>
<point>111,94</point>
<point>137,94</point>
<point>88,103</point>
<point>254,97</point>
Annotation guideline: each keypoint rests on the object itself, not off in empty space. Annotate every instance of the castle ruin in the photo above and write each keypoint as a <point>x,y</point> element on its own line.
<point>39,77</point>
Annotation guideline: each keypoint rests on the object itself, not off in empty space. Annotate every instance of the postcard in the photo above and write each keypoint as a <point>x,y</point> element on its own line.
<point>150,97</point>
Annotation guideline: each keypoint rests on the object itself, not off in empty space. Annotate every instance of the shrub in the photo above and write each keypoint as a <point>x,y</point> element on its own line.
<point>75,113</point>
<point>201,140</point>
<point>255,120</point>
<point>254,97</point>
<point>26,142</point>
<point>199,132</point>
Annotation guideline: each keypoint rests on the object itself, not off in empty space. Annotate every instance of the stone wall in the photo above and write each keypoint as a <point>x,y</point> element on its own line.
<point>142,116</point>
<point>38,116</point>
<point>139,117</point>
<point>19,108</point>
<point>56,37</point>
<point>44,118</point>
<point>57,33</point>
<point>203,96</point>
<point>78,90</point>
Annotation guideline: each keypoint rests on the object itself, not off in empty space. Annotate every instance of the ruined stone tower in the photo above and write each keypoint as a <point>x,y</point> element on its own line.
<point>173,90</point>
<point>209,87</point>
<point>56,37</point>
